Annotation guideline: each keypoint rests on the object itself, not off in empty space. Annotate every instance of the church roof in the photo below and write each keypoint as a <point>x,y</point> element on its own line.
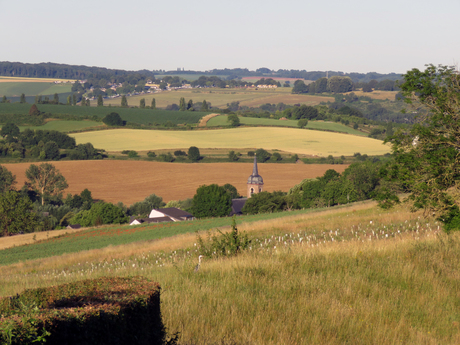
<point>255,178</point>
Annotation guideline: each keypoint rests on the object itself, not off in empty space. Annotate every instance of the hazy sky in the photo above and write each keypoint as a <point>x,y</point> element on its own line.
<point>338,35</point>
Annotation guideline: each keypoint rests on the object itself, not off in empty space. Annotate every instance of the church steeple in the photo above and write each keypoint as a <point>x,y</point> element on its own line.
<point>255,181</point>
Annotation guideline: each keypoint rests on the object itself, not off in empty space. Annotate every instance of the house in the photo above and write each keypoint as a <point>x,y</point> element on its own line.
<point>170,214</point>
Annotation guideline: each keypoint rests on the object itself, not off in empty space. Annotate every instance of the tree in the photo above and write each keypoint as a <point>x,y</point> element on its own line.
<point>5,100</point>
<point>16,214</point>
<point>204,106</point>
<point>190,105</point>
<point>299,87</point>
<point>211,201</point>
<point>23,98</point>
<point>231,190</point>
<point>100,101</point>
<point>154,104</point>
<point>194,154</point>
<point>142,103</point>
<point>113,119</point>
<point>262,155</point>
<point>233,156</point>
<point>74,99</point>
<point>143,208</point>
<point>45,180</point>
<point>10,129</point>
<point>427,159</point>
<point>182,104</point>
<point>124,101</point>
<point>51,150</point>
<point>7,180</point>
<point>69,100</point>
<point>100,213</point>
<point>56,98</point>
<point>234,120</point>
<point>302,123</point>
<point>33,111</point>
<point>83,102</point>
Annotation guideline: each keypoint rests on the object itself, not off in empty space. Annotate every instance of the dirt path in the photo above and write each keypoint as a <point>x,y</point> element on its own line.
<point>205,119</point>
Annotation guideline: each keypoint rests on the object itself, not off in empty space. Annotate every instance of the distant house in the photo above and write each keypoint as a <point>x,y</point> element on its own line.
<point>73,227</point>
<point>237,206</point>
<point>170,214</point>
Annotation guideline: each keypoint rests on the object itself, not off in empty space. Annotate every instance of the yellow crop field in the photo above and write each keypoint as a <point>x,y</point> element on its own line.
<point>31,80</point>
<point>220,97</point>
<point>293,140</point>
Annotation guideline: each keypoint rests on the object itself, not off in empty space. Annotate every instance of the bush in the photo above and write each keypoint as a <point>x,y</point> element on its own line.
<point>151,154</point>
<point>132,154</point>
<point>113,119</point>
<point>179,153</point>
<point>98,311</point>
<point>166,157</point>
<point>194,154</point>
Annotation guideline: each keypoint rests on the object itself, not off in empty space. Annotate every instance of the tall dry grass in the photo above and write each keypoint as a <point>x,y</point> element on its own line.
<point>355,286</point>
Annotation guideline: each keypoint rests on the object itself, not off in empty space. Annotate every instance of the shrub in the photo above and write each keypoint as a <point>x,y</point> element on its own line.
<point>113,119</point>
<point>194,154</point>
<point>151,154</point>
<point>179,153</point>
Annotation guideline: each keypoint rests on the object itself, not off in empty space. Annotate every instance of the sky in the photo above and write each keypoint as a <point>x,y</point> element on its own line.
<point>336,35</point>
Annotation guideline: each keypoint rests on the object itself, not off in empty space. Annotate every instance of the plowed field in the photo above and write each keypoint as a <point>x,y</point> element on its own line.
<point>131,181</point>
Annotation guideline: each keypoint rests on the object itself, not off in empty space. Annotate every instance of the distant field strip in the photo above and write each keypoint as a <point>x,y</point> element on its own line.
<point>66,126</point>
<point>32,88</point>
<point>221,120</point>
<point>292,140</point>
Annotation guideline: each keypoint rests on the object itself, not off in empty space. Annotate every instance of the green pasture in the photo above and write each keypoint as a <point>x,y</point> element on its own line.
<point>134,115</point>
<point>254,121</point>
<point>293,140</point>
<point>96,238</point>
<point>11,89</point>
<point>66,126</point>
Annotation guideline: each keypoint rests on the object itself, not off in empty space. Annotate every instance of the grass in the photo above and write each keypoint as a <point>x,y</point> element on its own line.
<point>254,121</point>
<point>134,115</point>
<point>291,140</point>
<point>11,88</point>
<point>220,97</point>
<point>346,275</point>
<point>66,126</point>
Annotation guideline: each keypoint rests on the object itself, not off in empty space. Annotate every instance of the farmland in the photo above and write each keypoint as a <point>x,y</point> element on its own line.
<point>255,121</point>
<point>66,126</point>
<point>131,181</point>
<point>352,274</point>
<point>300,141</point>
<point>220,97</point>
<point>11,86</point>
<point>135,115</point>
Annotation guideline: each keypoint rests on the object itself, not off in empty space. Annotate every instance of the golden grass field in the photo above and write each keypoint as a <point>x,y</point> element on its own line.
<point>131,181</point>
<point>366,289</point>
<point>377,94</point>
<point>291,140</point>
<point>220,97</point>
<point>31,80</point>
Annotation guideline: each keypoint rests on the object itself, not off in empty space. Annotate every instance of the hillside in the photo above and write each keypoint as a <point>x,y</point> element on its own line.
<point>346,275</point>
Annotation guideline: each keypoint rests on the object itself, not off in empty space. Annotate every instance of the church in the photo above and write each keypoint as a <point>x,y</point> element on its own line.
<point>255,185</point>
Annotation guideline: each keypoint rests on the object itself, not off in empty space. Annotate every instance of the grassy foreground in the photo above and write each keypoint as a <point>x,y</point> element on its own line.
<point>354,275</point>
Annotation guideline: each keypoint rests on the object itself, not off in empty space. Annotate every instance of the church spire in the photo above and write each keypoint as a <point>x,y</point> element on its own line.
<point>255,171</point>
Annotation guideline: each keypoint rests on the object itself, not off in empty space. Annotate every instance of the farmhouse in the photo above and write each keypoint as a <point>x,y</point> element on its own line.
<point>170,214</point>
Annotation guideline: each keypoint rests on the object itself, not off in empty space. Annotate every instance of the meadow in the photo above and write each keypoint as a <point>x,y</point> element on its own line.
<point>352,274</point>
<point>67,126</point>
<point>12,86</point>
<point>255,121</point>
<point>132,181</point>
<point>220,97</point>
<point>133,115</point>
<point>292,140</point>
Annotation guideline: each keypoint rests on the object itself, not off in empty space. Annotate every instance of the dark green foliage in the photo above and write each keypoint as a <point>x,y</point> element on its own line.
<point>143,208</point>
<point>233,120</point>
<point>10,129</point>
<point>262,155</point>
<point>51,150</point>
<point>166,157</point>
<point>182,105</point>
<point>231,190</point>
<point>5,100</point>
<point>204,106</point>
<point>98,311</point>
<point>194,154</point>
<point>142,103</point>
<point>227,244</point>
<point>251,153</point>
<point>113,119</point>
<point>427,162</point>
<point>211,201</point>
<point>299,87</point>
<point>302,123</point>
<point>7,180</point>
<point>45,180</point>
<point>22,98</point>
<point>233,156</point>
<point>265,202</point>
<point>153,105</point>
<point>151,154</point>
<point>100,101</point>
<point>338,84</point>
<point>86,151</point>
<point>124,101</point>
<point>15,214</point>
<point>178,153</point>
<point>100,213</point>
<point>276,157</point>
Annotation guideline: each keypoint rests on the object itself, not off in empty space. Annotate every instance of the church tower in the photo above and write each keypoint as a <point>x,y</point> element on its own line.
<point>255,181</point>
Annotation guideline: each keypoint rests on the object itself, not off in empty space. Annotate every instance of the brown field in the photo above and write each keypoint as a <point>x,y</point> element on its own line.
<point>382,95</point>
<point>131,181</point>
